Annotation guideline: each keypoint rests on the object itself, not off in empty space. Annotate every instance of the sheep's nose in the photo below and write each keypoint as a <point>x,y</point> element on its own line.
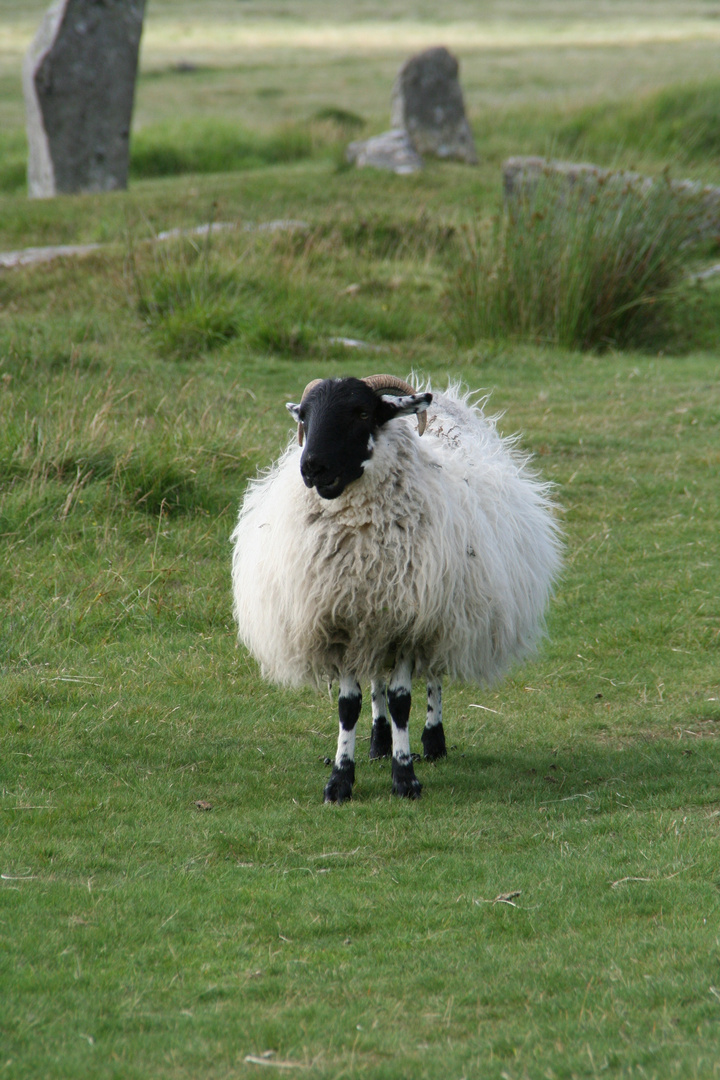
<point>323,476</point>
<point>312,470</point>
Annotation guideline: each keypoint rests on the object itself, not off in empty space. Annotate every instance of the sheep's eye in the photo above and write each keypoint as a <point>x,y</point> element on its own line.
<point>364,415</point>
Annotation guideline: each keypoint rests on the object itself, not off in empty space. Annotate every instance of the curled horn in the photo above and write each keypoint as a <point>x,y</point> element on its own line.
<point>388,384</point>
<point>310,386</point>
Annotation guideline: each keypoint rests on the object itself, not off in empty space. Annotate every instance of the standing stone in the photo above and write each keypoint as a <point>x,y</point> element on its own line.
<point>79,83</point>
<point>428,102</point>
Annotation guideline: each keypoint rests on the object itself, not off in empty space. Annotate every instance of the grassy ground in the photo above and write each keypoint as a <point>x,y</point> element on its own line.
<point>139,388</point>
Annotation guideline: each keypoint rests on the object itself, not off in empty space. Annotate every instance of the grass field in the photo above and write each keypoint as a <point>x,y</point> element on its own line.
<point>550,908</point>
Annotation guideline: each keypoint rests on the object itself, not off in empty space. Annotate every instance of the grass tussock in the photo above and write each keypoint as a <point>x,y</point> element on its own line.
<point>578,268</point>
<point>190,304</point>
<point>194,300</point>
<point>289,293</point>
<point>678,124</point>
<point>180,147</point>
<point>172,149</point>
<point>345,119</point>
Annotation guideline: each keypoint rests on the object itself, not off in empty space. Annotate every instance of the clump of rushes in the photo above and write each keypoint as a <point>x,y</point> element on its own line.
<point>582,269</point>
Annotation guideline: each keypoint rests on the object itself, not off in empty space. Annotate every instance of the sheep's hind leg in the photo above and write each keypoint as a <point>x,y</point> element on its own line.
<point>339,787</point>
<point>381,737</point>
<point>433,736</point>
<point>404,781</point>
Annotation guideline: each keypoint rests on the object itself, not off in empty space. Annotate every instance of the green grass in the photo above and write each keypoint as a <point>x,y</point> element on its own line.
<point>187,147</point>
<point>13,156</point>
<point>141,935</point>
<point>140,387</point>
<point>676,123</point>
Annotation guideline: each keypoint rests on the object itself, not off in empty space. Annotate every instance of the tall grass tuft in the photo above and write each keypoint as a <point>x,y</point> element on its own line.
<point>193,301</point>
<point>576,268</point>
<point>189,303</point>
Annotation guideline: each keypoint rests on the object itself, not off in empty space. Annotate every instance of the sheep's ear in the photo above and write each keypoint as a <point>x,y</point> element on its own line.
<point>406,405</point>
<point>294,411</point>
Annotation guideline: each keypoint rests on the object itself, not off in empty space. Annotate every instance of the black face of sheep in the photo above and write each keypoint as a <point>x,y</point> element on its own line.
<point>338,419</point>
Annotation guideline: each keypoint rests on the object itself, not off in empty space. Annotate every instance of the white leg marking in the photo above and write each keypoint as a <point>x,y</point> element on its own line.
<point>345,747</point>
<point>399,692</point>
<point>349,702</point>
<point>379,703</point>
<point>434,703</point>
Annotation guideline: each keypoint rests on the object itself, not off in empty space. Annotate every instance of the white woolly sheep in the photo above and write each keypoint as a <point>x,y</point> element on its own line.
<point>374,554</point>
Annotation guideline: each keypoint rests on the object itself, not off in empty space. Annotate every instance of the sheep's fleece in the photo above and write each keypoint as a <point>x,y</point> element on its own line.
<point>445,549</point>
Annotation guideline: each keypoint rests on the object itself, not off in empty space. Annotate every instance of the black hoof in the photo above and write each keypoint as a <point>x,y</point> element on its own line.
<point>404,781</point>
<point>339,787</point>
<point>433,740</point>
<point>381,739</point>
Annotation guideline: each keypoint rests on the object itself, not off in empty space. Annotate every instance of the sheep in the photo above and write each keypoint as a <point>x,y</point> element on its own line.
<point>370,553</point>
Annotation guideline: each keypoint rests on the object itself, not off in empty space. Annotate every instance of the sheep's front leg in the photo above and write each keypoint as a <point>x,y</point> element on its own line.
<point>433,736</point>
<point>342,777</point>
<point>381,736</point>
<point>404,781</point>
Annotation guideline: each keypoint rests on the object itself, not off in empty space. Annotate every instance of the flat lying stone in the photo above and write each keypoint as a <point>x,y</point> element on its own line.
<point>392,151</point>
<point>28,256</point>
<point>354,343</point>
<point>708,272</point>
<point>197,230</point>
<point>279,225</point>
<point>521,175</point>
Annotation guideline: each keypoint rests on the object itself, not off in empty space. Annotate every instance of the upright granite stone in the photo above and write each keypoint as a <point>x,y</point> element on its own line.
<point>79,84</point>
<point>428,102</point>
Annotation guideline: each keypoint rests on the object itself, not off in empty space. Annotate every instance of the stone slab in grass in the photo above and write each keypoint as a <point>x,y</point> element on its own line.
<point>392,151</point>
<point>521,176</point>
